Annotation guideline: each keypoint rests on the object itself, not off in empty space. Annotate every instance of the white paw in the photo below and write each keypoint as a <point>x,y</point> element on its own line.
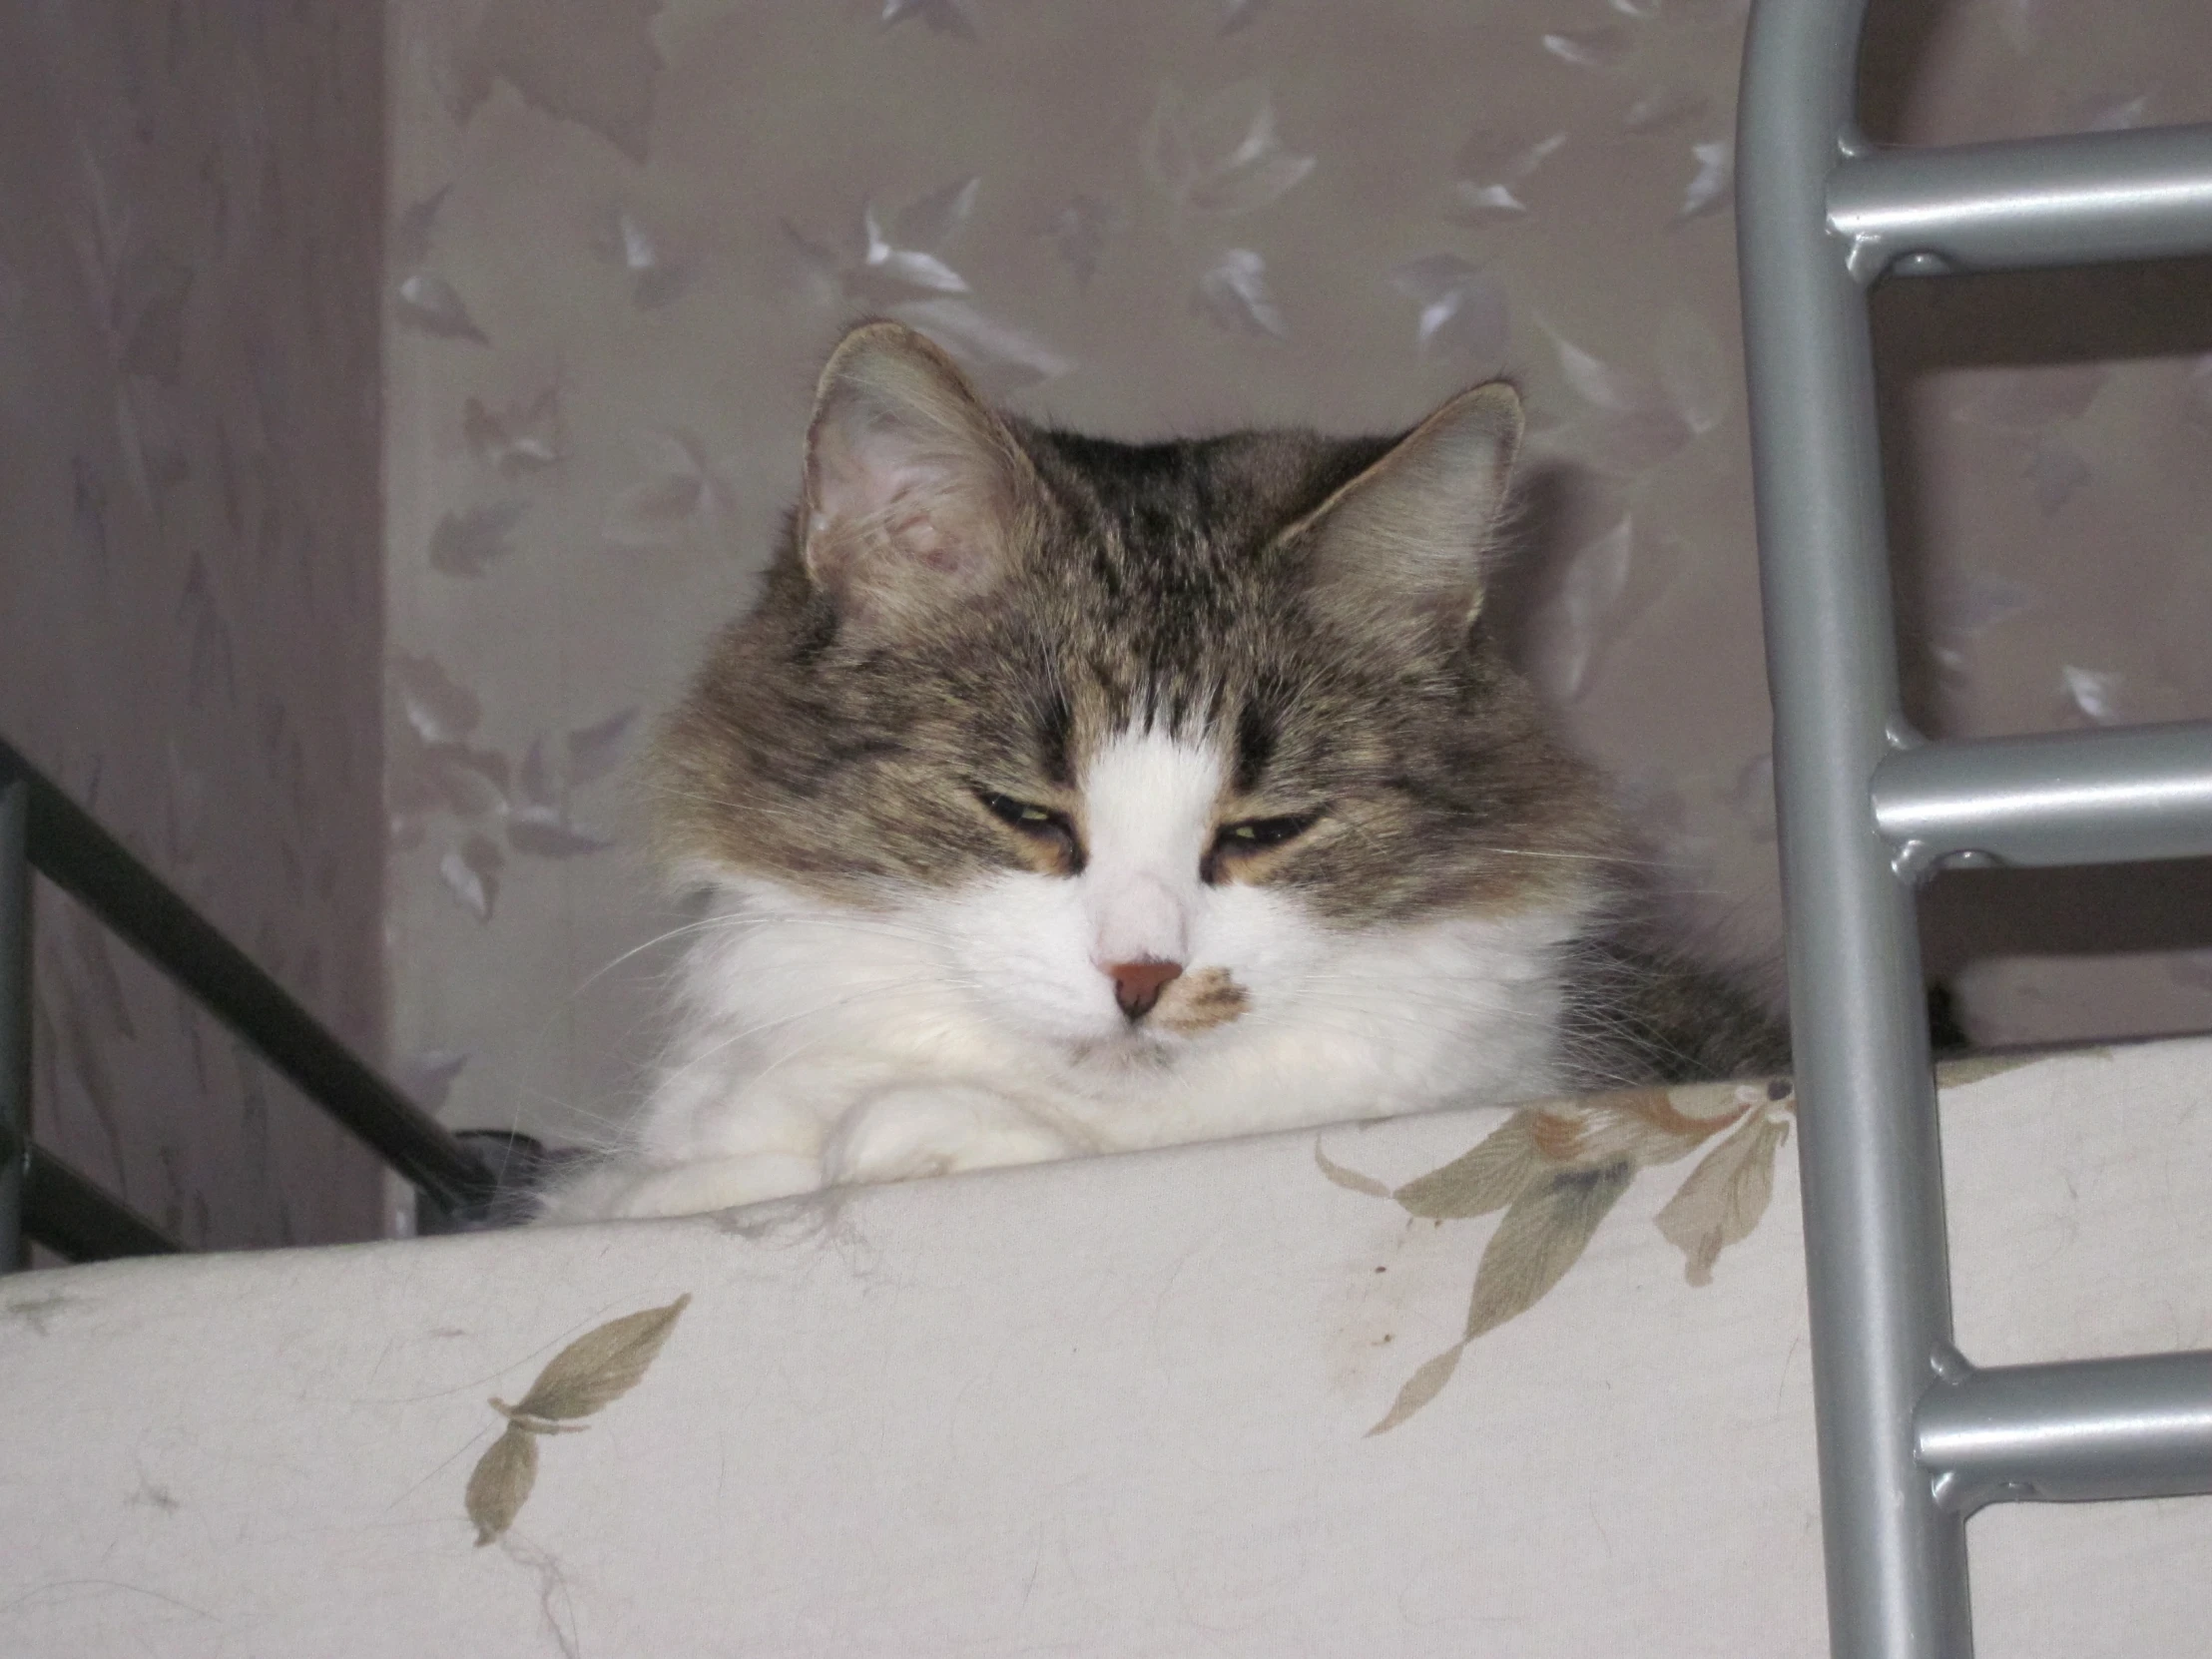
<point>936,1130</point>
<point>627,1191</point>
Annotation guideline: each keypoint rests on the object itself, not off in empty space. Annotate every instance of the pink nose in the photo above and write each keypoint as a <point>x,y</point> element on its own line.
<point>1137,985</point>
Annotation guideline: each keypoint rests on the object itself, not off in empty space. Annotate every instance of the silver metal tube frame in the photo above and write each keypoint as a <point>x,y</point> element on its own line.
<point>2077,200</point>
<point>2085,1430</point>
<point>2069,798</point>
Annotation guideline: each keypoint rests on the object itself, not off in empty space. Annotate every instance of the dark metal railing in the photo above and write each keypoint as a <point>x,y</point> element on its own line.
<point>41,1198</point>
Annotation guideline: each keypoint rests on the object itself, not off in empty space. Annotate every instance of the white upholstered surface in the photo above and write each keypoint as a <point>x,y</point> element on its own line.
<point>1118,1407</point>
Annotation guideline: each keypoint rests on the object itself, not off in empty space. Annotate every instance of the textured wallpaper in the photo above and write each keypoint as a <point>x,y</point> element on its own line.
<point>191,564</point>
<point>625,232</point>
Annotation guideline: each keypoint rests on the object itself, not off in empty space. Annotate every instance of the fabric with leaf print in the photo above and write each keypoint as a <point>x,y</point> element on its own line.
<point>1529,1379</point>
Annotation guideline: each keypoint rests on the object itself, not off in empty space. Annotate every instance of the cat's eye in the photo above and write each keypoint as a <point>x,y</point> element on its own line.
<point>1022,815</point>
<point>1254,835</point>
<point>1041,823</point>
<point>1266,831</point>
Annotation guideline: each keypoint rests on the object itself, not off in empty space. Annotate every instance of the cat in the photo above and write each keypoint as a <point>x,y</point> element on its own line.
<point>1065,795</point>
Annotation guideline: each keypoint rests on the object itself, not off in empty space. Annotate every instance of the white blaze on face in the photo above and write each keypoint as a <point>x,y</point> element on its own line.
<point>1147,808</point>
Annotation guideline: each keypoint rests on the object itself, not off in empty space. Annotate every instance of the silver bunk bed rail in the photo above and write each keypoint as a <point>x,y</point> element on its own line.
<point>1913,1438</point>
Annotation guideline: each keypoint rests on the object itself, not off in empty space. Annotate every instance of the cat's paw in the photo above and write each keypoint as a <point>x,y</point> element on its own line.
<point>624,1191</point>
<point>936,1130</point>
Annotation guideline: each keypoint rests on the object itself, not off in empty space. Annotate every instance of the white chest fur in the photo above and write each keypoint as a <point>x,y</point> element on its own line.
<point>821,1044</point>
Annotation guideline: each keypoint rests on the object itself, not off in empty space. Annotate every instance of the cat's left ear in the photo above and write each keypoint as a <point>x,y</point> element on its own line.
<point>915,489</point>
<point>1404,541</point>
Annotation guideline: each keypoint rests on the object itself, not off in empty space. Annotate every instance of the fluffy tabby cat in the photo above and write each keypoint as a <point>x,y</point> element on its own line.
<point>1067,795</point>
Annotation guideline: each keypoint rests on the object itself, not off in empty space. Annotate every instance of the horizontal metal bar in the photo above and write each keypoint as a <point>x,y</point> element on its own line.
<point>75,1218</point>
<point>70,848</point>
<point>2077,200</point>
<point>2069,798</point>
<point>2085,1430</point>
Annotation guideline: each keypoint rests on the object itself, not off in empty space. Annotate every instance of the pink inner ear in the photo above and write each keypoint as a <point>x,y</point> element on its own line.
<point>895,522</point>
<point>876,477</point>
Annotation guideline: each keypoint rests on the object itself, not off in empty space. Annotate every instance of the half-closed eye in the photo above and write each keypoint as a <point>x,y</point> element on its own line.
<point>1251,835</point>
<point>1046,825</point>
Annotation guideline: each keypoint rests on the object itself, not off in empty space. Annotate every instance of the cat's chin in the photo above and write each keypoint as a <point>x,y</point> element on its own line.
<point>1128,1053</point>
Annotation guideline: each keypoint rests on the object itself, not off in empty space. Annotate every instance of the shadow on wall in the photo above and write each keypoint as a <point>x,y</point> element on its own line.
<point>2082,319</point>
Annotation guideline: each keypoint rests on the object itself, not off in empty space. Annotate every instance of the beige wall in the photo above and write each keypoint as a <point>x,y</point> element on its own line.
<point>191,579</point>
<point>625,231</point>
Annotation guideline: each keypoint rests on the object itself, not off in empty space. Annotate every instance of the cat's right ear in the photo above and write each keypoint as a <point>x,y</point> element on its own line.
<point>915,491</point>
<point>1401,545</point>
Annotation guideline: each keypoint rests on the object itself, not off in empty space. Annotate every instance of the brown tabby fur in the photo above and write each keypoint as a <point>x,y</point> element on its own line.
<point>836,738</point>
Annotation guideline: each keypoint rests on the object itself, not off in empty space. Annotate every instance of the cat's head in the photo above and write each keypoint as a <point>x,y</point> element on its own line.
<point>1145,730</point>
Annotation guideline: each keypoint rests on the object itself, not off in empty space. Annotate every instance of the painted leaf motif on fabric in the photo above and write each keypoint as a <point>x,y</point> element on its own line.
<point>1423,1385</point>
<point>1642,1127</point>
<point>1724,1198</point>
<point>1349,1177</point>
<point>501,1482</point>
<point>1980,1068</point>
<point>590,1373</point>
<point>1477,1182</point>
<point>1544,1233</point>
<point>598,1368</point>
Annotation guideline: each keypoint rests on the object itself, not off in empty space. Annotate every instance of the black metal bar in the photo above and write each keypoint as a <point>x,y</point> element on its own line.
<point>15,1011</point>
<point>74,1219</point>
<point>69,848</point>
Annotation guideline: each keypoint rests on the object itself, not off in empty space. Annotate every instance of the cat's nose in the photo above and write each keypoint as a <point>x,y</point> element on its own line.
<point>1137,985</point>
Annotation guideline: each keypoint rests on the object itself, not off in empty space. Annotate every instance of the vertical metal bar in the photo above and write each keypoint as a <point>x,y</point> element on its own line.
<point>15,1014</point>
<point>1876,1262</point>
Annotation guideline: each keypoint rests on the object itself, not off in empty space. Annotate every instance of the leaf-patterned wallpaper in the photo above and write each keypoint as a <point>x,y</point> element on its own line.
<point>625,231</point>
<point>191,565</point>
